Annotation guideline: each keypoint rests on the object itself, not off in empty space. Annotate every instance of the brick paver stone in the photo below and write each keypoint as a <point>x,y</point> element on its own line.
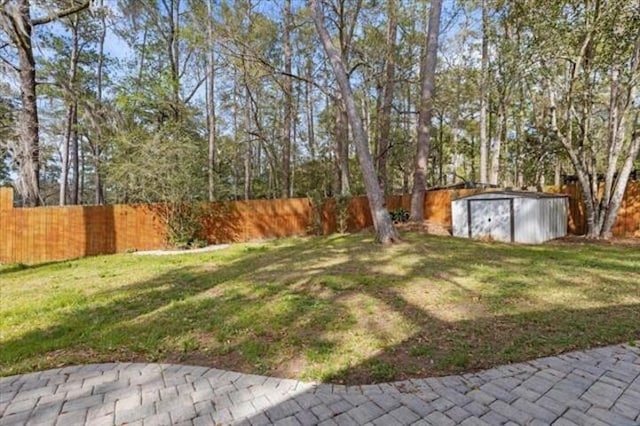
<point>596,387</point>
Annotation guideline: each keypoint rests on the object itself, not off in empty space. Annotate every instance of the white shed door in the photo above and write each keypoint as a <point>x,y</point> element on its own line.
<point>491,219</point>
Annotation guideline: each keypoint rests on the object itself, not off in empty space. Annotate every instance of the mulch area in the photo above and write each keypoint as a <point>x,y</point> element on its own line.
<point>426,227</point>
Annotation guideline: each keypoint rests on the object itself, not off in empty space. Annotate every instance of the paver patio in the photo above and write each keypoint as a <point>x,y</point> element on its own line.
<point>595,387</point>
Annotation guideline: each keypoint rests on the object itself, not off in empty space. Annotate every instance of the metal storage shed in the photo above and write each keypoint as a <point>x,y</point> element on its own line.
<point>512,216</point>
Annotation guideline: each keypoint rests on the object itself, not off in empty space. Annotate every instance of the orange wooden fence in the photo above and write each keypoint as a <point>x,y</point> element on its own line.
<point>628,220</point>
<point>30,235</point>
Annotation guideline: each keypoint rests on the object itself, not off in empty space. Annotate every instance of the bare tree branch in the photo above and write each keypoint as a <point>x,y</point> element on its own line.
<point>259,59</point>
<point>61,13</point>
<point>9,64</point>
<point>195,89</point>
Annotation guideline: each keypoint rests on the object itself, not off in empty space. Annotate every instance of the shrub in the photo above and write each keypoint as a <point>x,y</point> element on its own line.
<point>183,224</point>
<point>399,215</point>
<point>317,200</point>
<point>342,212</point>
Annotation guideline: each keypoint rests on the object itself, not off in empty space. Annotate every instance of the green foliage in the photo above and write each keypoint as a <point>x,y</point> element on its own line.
<point>163,166</point>
<point>342,212</point>
<point>422,350</point>
<point>314,176</point>
<point>317,200</point>
<point>158,166</point>
<point>183,224</point>
<point>199,243</point>
<point>381,371</point>
<point>189,344</point>
<point>320,351</point>
<point>143,119</point>
<point>399,215</point>
<point>458,360</point>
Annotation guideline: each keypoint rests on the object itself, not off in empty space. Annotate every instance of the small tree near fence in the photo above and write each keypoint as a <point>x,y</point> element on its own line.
<point>183,224</point>
<point>163,168</point>
<point>317,200</point>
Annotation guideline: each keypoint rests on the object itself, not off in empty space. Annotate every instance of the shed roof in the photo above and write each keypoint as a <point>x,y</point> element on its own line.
<point>513,194</point>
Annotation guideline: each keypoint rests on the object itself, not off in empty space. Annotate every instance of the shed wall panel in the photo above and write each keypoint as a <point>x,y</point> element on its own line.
<point>536,219</point>
<point>459,218</point>
<point>526,226</point>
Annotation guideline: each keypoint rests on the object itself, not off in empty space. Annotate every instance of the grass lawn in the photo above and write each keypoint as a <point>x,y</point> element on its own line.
<point>338,308</point>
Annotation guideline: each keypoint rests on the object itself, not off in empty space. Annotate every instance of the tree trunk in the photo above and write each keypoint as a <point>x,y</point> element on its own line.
<point>384,127</point>
<point>428,76</point>
<point>248,154</point>
<point>29,160</point>
<point>578,166</point>
<point>455,157</point>
<point>496,145</point>
<point>567,142</point>
<point>211,104</point>
<point>342,146</point>
<point>409,126</point>
<point>385,230</point>
<point>64,178</point>
<point>600,213</point>
<point>173,45</point>
<point>309,111</point>
<point>346,26</point>
<point>99,192</point>
<point>520,140</point>
<point>247,170</point>
<point>483,93</point>
<point>288,104</point>
<point>19,27</point>
<point>441,149</point>
<point>616,135</point>
<point>620,107</point>
<point>613,207</point>
<point>237,144</point>
<point>366,118</point>
<point>557,173</point>
<point>75,155</point>
<point>82,174</point>
<point>294,136</point>
<point>71,146</point>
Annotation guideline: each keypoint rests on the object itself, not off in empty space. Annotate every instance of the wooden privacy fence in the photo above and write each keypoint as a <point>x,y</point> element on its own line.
<point>31,235</point>
<point>628,220</point>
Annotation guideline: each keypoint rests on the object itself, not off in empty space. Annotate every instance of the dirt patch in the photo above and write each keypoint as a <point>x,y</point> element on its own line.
<point>293,367</point>
<point>232,361</point>
<point>84,355</point>
<point>425,227</point>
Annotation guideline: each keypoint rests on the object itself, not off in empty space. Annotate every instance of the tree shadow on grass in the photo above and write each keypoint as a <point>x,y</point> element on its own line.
<point>341,309</point>
<point>17,267</point>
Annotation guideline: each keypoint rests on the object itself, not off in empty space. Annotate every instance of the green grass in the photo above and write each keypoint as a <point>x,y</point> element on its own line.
<point>338,309</point>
